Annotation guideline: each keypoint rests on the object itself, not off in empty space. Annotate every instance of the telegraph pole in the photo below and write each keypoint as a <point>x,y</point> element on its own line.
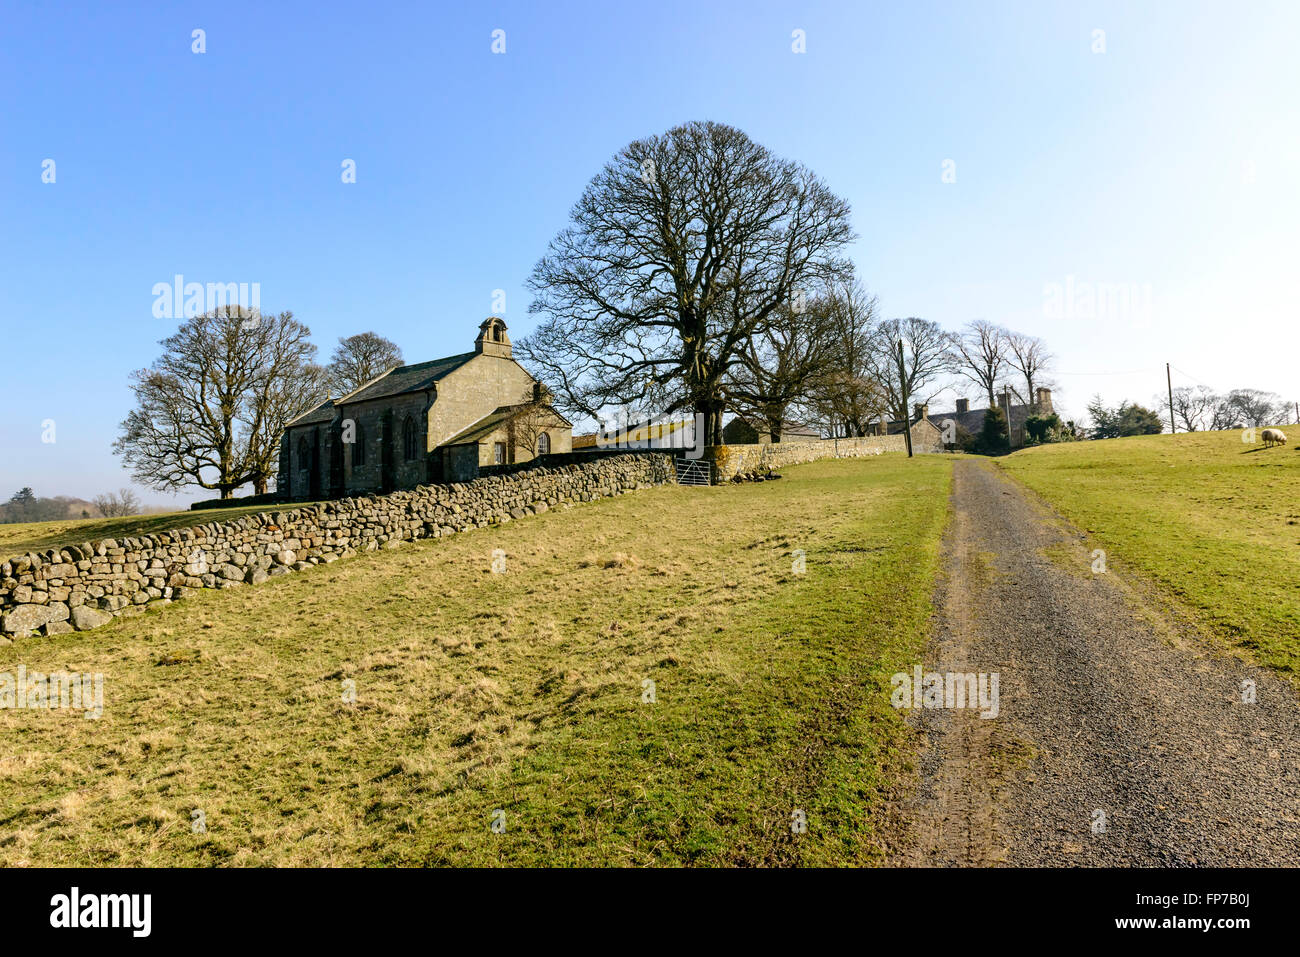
<point>1011,433</point>
<point>1170,382</point>
<point>907,408</point>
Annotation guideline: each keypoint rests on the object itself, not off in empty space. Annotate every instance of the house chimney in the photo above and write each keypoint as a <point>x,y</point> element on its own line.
<point>963,405</point>
<point>921,410</point>
<point>1043,400</point>
<point>1004,400</point>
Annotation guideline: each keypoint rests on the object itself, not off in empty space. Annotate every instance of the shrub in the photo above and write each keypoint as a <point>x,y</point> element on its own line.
<point>993,438</point>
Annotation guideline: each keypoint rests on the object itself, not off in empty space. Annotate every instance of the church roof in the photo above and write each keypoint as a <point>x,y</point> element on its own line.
<point>483,427</point>
<point>402,379</point>
<point>320,415</point>
<point>492,421</point>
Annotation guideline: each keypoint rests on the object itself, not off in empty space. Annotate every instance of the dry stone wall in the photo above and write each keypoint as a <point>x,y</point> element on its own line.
<point>733,460</point>
<point>83,586</point>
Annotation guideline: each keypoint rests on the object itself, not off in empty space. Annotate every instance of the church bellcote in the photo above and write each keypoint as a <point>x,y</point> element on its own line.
<point>492,339</point>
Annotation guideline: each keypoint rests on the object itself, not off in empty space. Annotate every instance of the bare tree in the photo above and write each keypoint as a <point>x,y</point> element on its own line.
<point>1253,407</point>
<point>981,356</point>
<point>784,361</point>
<point>1193,406</point>
<point>846,397</point>
<point>358,359</point>
<point>210,409</point>
<point>1029,356</point>
<point>1224,415</point>
<point>527,420</point>
<point>286,385</point>
<point>678,252</point>
<point>927,355</point>
<point>117,504</point>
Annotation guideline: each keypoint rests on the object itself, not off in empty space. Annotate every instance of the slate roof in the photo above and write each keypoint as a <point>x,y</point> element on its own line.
<point>414,378</point>
<point>490,422</point>
<point>973,421</point>
<point>321,415</point>
<point>482,428</point>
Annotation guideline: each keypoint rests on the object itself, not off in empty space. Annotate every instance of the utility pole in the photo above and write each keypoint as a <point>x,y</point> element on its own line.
<point>1170,382</point>
<point>1006,401</point>
<point>907,408</point>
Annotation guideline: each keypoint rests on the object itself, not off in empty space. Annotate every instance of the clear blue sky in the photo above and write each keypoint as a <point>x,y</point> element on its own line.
<point>1168,163</point>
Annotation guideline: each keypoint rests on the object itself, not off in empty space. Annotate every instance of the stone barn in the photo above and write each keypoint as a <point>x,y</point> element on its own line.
<point>746,430</point>
<point>426,423</point>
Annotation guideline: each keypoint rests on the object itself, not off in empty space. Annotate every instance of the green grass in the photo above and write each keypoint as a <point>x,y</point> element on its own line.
<point>1214,523</point>
<point>21,537</point>
<point>518,691</point>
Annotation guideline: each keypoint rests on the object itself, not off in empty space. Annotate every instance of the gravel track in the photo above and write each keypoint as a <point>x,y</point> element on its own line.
<point>1098,713</point>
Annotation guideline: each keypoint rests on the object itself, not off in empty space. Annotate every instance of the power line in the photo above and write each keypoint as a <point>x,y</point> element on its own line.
<point>1197,379</point>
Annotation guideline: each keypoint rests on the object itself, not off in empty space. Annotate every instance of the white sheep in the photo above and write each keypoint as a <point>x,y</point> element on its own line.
<point>1273,437</point>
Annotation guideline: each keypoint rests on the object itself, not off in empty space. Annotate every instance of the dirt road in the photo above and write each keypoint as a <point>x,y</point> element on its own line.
<point>1116,742</point>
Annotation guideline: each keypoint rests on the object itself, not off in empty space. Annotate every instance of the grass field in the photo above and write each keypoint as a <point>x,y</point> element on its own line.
<point>22,537</point>
<point>1213,522</point>
<point>520,691</point>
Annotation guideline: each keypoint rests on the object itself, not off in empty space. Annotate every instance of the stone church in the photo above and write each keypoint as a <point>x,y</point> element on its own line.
<point>426,423</point>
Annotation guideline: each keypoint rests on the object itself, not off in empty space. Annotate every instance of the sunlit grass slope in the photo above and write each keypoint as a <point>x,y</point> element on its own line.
<point>521,692</point>
<point>1212,520</point>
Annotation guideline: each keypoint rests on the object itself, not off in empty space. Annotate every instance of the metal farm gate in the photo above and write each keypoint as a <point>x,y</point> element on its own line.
<point>694,471</point>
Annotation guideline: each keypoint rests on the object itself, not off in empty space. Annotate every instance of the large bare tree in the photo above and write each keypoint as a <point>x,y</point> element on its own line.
<point>1029,357</point>
<point>678,252</point>
<point>846,397</point>
<point>117,504</point>
<point>211,408</point>
<point>784,362</point>
<point>358,359</point>
<point>1254,407</point>
<point>1193,406</point>
<point>927,355</point>
<point>980,353</point>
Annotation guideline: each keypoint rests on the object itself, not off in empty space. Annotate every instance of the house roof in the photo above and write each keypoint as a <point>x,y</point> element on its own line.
<point>896,427</point>
<point>401,379</point>
<point>973,420</point>
<point>789,427</point>
<point>794,428</point>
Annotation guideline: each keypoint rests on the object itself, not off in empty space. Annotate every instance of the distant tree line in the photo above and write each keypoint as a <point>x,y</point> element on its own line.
<point>25,506</point>
<point>1199,409</point>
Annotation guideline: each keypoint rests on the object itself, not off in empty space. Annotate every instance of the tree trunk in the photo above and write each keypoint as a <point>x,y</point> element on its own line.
<point>774,423</point>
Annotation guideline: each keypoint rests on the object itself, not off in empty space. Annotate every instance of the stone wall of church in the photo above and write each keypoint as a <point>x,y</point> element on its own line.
<point>369,418</point>
<point>474,391</point>
<point>87,585</point>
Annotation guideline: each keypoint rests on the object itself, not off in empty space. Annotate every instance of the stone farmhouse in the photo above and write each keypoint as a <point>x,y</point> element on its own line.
<point>972,420</point>
<point>431,422</point>
<point>925,434</point>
